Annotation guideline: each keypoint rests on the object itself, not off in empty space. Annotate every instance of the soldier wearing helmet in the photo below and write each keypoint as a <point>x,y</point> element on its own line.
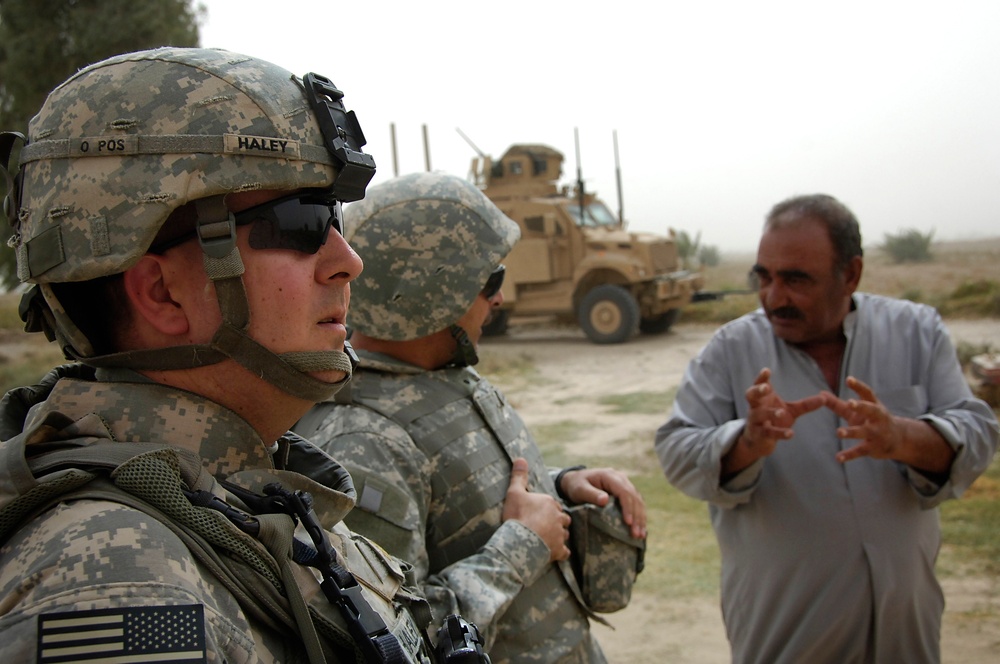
<point>177,215</point>
<point>448,475</point>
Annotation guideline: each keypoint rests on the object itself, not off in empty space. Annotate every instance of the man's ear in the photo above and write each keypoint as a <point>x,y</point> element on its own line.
<point>852,273</point>
<point>149,294</point>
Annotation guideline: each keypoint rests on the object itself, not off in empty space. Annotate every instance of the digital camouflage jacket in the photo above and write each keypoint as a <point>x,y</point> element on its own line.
<point>431,454</point>
<point>128,573</point>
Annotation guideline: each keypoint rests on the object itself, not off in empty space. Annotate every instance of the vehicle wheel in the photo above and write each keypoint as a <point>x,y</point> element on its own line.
<point>497,325</point>
<point>608,314</point>
<point>659,324</point>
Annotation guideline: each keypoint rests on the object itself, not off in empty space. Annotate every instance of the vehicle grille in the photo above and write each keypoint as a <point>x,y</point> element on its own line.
<point>663,256</point>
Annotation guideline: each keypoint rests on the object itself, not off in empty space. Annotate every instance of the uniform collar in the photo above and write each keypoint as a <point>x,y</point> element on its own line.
<point>150,412</point>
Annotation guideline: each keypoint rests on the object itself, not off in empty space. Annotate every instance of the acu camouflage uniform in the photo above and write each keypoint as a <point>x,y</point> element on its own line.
<point>91,554</point>
<point>114,152</point>
<point>431,455</point>
<point>432,451</point>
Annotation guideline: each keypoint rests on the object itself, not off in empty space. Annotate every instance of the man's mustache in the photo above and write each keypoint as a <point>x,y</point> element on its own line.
<point>786,313</point>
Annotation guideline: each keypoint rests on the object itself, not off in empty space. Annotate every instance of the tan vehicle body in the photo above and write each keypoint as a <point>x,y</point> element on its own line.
<point>586,266</point>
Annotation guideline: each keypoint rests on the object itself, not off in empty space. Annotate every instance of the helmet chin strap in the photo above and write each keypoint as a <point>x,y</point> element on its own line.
<point>465,351</point>
<point>289,372</point>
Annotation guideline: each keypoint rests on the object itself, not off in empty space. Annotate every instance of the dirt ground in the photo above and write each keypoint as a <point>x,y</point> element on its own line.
<point>569,372</point>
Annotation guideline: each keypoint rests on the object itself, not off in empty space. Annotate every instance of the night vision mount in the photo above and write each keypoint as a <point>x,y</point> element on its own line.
<point>342,136</point>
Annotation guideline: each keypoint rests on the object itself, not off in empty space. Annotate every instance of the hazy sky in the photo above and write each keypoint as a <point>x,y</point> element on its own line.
<point>721,108</point>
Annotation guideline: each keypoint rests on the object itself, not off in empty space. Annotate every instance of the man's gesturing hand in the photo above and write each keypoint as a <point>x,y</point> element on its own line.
<point>769,420</point>
<point>887,436</point>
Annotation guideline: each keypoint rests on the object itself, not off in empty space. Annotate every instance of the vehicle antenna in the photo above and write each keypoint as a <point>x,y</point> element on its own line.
<point>579,175</point>
<point>469,141</point>
<point>618,179</point>
<point>427,149</point>
<point>395,158</point>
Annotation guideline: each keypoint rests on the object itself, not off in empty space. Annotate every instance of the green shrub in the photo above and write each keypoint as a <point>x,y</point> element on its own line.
<point>909,246</point>
<point>709,255</point>
<point>972,299</point>
<point>687,247</point>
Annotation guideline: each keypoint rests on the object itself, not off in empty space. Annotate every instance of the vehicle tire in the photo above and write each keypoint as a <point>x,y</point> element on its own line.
<point>497,325</point>
<point>608,314</point>
<point>659,324</point>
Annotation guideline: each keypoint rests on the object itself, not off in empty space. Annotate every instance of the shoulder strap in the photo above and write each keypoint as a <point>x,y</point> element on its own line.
<point>434,394</point>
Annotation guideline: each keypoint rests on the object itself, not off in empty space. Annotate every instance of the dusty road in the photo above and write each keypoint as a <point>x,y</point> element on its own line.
<point>570,374</point>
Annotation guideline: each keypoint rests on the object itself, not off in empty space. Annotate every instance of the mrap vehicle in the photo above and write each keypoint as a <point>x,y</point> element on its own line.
<point>575,259</point>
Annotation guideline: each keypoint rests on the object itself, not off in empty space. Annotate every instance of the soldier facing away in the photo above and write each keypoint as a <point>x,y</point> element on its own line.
<point>448,475</point>
<point>178,215</point>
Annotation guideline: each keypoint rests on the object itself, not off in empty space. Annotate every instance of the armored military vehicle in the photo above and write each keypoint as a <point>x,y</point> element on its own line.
<point>575,259</point>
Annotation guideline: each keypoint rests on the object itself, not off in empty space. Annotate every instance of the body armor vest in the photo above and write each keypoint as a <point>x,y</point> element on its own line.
<point>462,421</point>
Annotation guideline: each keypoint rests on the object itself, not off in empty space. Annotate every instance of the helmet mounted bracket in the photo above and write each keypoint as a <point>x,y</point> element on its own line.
<point>342,136</point>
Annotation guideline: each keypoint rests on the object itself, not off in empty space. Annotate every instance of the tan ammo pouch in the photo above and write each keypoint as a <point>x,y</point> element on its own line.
<point>606,558</point>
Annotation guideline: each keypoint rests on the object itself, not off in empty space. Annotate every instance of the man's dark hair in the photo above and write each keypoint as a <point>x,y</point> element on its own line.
<point>99,308</point>
<point>841,224</point>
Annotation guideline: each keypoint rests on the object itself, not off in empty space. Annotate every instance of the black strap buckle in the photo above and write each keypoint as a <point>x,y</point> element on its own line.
<point>371,634</point>
<point>343,136</point>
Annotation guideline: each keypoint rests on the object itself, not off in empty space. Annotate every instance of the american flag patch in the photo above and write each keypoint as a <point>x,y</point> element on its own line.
<point>121,636</point>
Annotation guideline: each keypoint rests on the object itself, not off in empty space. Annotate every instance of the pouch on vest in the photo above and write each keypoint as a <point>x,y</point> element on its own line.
<point>606,558</point>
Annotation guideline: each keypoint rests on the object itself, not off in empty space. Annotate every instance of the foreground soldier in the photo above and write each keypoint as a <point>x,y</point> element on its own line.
<point>174,212</point>
<point>448,476</point>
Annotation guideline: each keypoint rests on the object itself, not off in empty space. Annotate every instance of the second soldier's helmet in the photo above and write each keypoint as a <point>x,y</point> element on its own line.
<point>429,242</point>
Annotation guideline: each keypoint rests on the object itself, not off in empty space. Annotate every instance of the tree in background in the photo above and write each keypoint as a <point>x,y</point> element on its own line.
<point>708,256</point>
<point>909,246</point>
<point>42,42</point>
<point>687,247</point>
<point>690,249</point>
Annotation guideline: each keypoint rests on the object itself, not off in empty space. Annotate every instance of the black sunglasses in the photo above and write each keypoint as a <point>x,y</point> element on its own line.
<point>494,282</point>
<point>300,222</point>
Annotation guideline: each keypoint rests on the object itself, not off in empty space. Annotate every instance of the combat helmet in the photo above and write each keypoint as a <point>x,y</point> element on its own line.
<point>430,241</point>
<point>125,142</point>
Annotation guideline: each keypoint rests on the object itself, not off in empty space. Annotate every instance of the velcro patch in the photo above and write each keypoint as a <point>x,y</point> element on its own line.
<point>263,145</point>
<point>103,146</point>
<point>126,635</point>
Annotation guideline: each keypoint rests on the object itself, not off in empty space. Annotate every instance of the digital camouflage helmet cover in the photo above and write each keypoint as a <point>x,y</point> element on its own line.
<point>123,143</point>
<point>430,241</point>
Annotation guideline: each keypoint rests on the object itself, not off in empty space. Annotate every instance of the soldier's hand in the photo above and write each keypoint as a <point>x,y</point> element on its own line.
<point>596,485</point>
<point>538,511</point>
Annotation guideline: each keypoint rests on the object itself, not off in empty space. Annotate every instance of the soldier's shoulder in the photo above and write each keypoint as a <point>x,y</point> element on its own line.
<point>94,546</point>
<point>95,559</point>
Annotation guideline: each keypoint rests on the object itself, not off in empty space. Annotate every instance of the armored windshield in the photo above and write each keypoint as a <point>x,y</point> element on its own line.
<point>595,214</point>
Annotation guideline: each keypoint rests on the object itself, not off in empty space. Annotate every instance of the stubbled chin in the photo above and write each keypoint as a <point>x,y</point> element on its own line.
<point>788,330</point>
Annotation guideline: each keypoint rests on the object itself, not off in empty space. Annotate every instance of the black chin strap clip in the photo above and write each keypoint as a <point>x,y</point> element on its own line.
<point>465,350</point>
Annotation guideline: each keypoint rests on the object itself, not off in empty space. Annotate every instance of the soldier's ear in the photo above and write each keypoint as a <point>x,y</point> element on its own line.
<point>150,292</point>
